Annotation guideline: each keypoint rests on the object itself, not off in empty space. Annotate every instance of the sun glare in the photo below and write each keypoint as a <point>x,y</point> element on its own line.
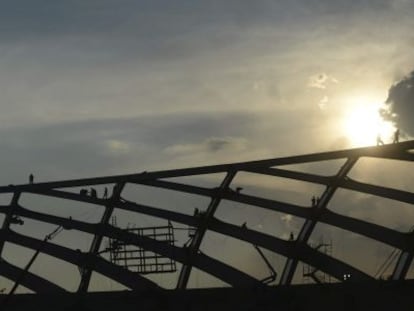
<point>363,123</point>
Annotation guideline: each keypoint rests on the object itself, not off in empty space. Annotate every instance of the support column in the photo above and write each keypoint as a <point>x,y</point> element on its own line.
<point>201,230</point>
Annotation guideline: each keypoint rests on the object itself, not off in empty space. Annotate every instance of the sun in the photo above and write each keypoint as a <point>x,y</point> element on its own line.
<point>363,123</point>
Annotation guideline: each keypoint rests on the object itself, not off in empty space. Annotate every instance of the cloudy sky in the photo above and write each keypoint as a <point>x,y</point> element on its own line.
<point>90,88</point>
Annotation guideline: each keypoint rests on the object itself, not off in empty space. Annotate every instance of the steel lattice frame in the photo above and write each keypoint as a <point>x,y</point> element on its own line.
<point>190,256</point>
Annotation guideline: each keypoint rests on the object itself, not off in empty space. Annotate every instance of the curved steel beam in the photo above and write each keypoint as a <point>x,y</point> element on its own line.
<point>125,205</point>
<point>384,235</point>
<point>269,242</point>
<point>235,197</point>
<point>117,273</point>
<point>371,230</point>
<point>377,232</point>
<point>389,193</point>
<point>203,262</point>
<point>30,280</point>
<point>306,177</point>
<point>347,183</point>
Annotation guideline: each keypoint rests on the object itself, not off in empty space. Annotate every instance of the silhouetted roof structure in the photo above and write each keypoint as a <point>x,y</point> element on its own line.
<point>190,256</point>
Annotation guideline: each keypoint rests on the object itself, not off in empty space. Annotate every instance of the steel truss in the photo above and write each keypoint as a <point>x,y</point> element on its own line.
<point>190,256</point>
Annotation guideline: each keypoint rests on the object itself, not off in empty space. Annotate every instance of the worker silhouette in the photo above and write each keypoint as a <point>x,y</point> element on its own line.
<point>94,194</point>
<point>379,140</point>
<point>396,136</point>
<point>105,194</point>
<point>31,179</point>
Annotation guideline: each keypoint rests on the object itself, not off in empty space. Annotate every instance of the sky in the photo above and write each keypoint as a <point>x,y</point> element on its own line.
<point>94,88</point>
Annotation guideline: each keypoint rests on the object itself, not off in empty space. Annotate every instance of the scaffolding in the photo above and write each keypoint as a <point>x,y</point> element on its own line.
<point>140,260</point>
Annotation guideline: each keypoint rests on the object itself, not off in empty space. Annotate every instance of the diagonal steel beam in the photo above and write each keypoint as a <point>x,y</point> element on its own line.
<point>97,240</point>
<point>117,273</point>
<point>310,223</point>
<point>201,230</point>
<point>31,281</point>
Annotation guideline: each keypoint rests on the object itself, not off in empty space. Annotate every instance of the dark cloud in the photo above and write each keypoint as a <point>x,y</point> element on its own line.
<point>401,103</point>
<point>153,20</point>
<point>96,34</point>
<point>101,32</point>
<point>216,144</point>
<point>208,146</point>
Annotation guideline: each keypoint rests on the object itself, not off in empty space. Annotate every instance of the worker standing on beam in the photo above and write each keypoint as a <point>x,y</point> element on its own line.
<point>396,136</point>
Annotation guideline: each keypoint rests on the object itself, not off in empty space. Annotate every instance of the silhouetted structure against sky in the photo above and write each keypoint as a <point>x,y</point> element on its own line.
<point>189,255</point>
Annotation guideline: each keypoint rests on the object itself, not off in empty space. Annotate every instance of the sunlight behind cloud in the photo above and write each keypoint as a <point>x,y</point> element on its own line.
<point>363,123</point>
